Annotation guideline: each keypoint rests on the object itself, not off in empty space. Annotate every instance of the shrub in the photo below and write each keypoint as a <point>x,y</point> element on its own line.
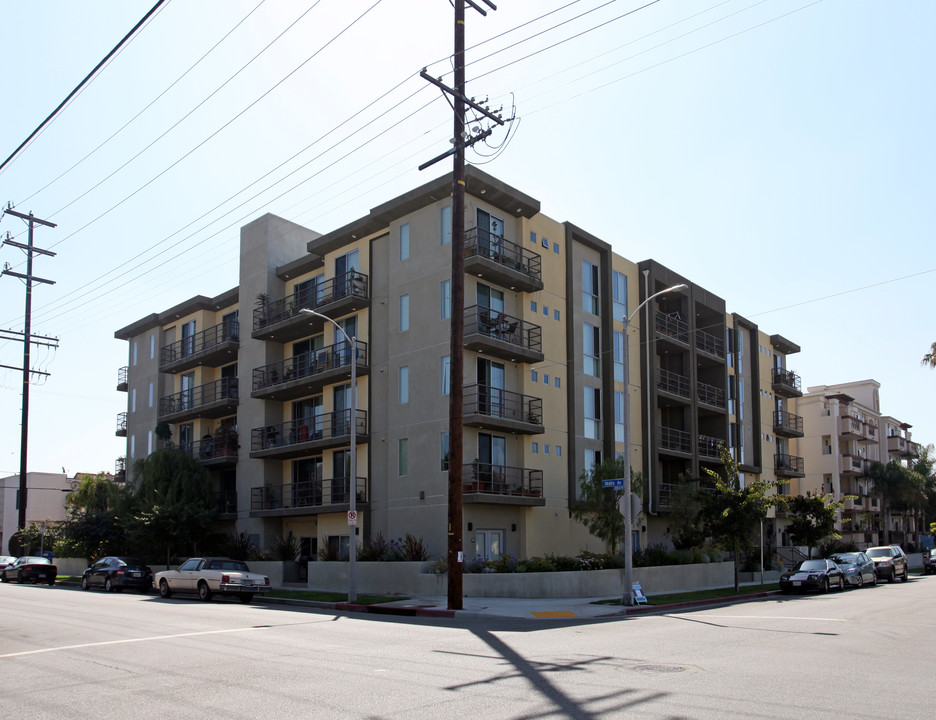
<point>413,548</point>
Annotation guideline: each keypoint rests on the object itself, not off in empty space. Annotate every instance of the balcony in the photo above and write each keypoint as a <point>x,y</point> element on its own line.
<point>710,344</point>
<point>789,466</point>
<point>307,436</point>
<point>711,395</point>
<point>897,445</point>
<point>673,384</point>
<point>786,383</point>
<point>671,329</point>
<point>674,440</point>
<point>213,451</point>
<point>308,497</point>
<point>227,505</point>
<point>502,336</point>
<point>787,424</point>
<point>852,465</point>
<point>212,400</point>
<point>120,470</point>
<point>496,409</point>
<point>502,485</point>
<point>123,376</point>
<point>121,425</point>
<point>213,347</point>
<point>501,261</point>
<point>851,427</point>
<point>709,447</point>
<point>283,321</point>
<point>914,448</point>
<point>308,373</point>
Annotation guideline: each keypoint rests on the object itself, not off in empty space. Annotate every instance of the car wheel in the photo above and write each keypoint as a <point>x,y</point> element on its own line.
<point>4,578</point>
<point>19,578</point>
<point>204,593</point>
<point>825,586</point>
<point>246,598</point>
<point>906,575</point>
<point>860,580</point>
<point>842,583</point>
<point>51,581</point>
<point>893,576</point>
<point>84,583</point>
<point>164,590</point>
<point>874,580</point>
<point>108,585</point>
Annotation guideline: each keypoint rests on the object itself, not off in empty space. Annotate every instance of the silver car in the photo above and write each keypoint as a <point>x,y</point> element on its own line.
<point>858,568</point>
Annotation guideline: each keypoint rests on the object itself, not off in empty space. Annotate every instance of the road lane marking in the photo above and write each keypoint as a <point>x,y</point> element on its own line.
<point>129,640</point>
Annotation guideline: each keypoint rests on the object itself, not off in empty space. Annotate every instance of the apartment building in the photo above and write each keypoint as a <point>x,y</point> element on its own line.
<point>259,391</point>
<point>846,434</point>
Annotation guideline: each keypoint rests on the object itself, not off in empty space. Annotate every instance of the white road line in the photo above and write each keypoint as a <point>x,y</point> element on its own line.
<point>131,640</point>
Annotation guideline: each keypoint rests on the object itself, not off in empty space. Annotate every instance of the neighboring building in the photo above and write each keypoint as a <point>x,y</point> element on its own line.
<point>259,391</point>
<point>847,434</point>
<point>46,495</point>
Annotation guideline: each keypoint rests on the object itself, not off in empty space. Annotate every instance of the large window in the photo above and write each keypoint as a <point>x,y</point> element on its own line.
<point>618,356</point>
<point>619,419</point>
<point>619,294</point>
<point>593,413</point>
<point>404,384</point>
<point>591,349</point>
<point>446,298</point>
<point>446,374</point>
<point>403,456</point>
<point>404,313</point>
<point>444,450</point>
<point>446,224</point>
<point>404,241</point>
<point>591,293</point>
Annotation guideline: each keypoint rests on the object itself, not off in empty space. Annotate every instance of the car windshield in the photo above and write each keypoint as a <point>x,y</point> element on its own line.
<point>845,559</point>
<point>808,565</point>
<point>131,562</point>
<point>34,560</point>
<point>880,552</point>
<point>235,565</point>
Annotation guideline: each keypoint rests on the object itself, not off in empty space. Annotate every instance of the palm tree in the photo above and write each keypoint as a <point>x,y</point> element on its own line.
<point>930,357</point>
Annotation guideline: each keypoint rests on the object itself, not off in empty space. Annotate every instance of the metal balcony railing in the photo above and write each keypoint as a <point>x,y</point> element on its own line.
<point>327,426</point>
<point>199,396</point>
<point>200,342</point>
<point>484,243</point>
<point>711,344</point>
<point>307,365</point>
<point>491,479</point>
<point>121,424</point>
<point>349,284</point>
<point>503,327</point>
<point>673,383</point>
<point>503,404</point>
<point>671,326</point>
<point>786,422</point>
<point>785,382</point>
<point>788,464</point>
<point>710,395</point>
<point>709,447</point>
<point>673,439</point>
<point>123,378</point>
<point>306,494</point>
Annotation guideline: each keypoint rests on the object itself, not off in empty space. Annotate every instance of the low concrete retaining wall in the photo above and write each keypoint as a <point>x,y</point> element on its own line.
<point>410,578</point>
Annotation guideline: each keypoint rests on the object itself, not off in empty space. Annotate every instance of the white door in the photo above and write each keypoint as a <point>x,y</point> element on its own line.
<point>489,544</point>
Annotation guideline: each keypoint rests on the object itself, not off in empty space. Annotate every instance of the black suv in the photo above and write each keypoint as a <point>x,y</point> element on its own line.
<point>890,562</point>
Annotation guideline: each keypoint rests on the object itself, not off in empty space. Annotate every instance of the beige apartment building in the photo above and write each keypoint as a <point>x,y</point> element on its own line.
<point>846,433</point>
<point>259,391</point>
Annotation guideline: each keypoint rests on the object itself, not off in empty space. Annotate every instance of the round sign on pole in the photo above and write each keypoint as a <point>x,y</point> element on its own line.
<point>352,518</point>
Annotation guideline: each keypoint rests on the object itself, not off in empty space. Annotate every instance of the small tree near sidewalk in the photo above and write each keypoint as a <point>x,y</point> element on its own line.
<point>812,518</point>
<point>597,507</point>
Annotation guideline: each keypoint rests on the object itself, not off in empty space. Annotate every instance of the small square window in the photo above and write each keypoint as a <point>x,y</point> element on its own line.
<point>533,375</point>
<point>546,310</point>
<point>556,248</point>
<point>535,447</point>
<point>545,379</point>
<point>546,243</point>
<point>532,237</point>
<point>533,305</point>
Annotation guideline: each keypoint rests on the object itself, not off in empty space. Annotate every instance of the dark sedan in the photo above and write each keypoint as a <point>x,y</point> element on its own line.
<point>30,568</point>
<point>116,573</point>
<point>812,575</point>
<point>858,568</point>
<point>929,561</point>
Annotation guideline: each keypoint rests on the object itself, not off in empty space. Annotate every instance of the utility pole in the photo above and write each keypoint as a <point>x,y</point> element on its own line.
<point>457,362</point>
<point>27,343</point>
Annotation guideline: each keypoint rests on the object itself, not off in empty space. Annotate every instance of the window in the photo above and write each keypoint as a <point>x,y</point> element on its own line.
<point>150,395</point>
<point>558,450</point>
<point>546,243</point>
<point>446,290</point>
<point>546,310</point>
<point>133,400</point>
<point>133,446</point>
<point>556,381</point>
<point>593,413</point>
<point>592,458</point>
<point>618,356</point>
<point>556,315</point>
<point>619,294</point>
<point>618,416</point>
<point>152,347</point>
<point>404,241</point>
<point>532,305</point>
<point>590,288</point>
<point>545,379</point>
<point>546,449</point>
<point>534,376</point>
<point>446,224</point>
<point>556,248</point>
<point>446,374</point>
<point>532,237</point>
<point>591,349</point>
<point>404,313</point>
<point>149,442</point>
<point>534,447</point>
<point>444,450</point>
<point>403,456</point>
<point>404,384</point>
<point>134,354</point>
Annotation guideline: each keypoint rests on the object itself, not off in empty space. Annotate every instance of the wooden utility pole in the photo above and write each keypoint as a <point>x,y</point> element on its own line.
<point>27,345</point>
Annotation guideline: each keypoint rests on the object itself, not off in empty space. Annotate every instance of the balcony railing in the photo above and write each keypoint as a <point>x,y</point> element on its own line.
<point>305,435</point>
<point>677,440</point>
<point>709,447</point>
<point>850,425</point>
<point>787,424</point>
<point>502,480</point>
<point>120,470</point>
<point>502,261</point>
<point>321,493</point>
<point>788,465</point>
<point>214,399</point>
<point>308,372</point>
<point>212,449</point>
<point>673,383</point>
<point>123,379</point>
<point>710,395</point>
<point>786,383</point>
<point>121,425</point>
<point>853,465</point>
<point>711,344</point>
<point>348,291</point>
<point>672,327</point>
<point>488,406</point>
<point>216,345</point>
<point>502,335</point>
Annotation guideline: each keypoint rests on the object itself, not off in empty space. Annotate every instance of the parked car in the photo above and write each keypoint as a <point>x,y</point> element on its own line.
<point>6,560</point>
<point>30,568</point>
<point>116,573</point>
<point>212,576</point>
<point>929,561</point>
<point>818,575</point>
<point>890,562</point>
<point>858,568</point>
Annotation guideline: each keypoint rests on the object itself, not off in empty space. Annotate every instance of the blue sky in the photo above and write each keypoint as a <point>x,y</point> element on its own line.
<point>776,152</point>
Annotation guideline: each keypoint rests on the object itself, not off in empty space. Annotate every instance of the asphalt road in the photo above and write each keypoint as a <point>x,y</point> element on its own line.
<point>65,653</point>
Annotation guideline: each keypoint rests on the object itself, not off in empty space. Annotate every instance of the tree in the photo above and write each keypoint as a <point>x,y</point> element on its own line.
<point>96,511</point>
<point>732,512</point>
<point>813,518</point>
<point>173,504</point>
<point>685,503</point>
<point>902,490</point>
<point>930,357</point>
<point>597,506</point>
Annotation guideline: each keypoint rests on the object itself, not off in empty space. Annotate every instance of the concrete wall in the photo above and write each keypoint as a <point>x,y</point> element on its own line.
<point>411,578</point>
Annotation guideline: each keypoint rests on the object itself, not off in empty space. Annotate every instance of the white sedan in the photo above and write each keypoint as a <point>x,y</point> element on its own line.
<point>212,576</point>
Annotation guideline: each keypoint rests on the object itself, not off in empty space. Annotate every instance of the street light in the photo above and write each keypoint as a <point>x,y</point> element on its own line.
<point>352,482</point>
<point>626,501</point>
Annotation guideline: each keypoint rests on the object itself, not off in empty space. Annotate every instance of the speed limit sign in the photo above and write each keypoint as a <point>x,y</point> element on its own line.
<point>352,518</point>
